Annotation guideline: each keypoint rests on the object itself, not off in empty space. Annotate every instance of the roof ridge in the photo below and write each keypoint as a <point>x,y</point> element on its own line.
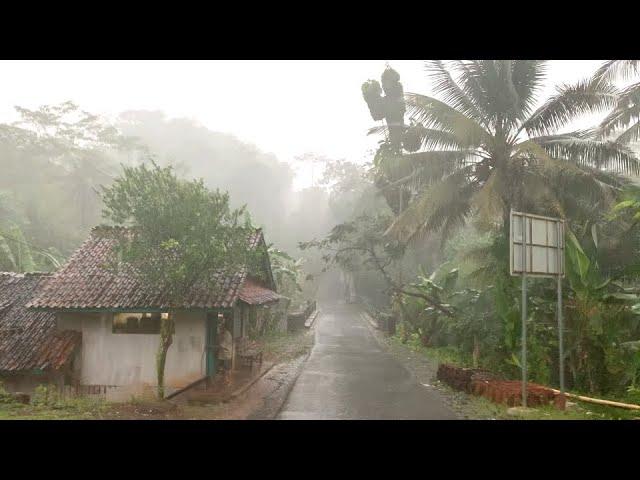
<point>27,274</point>
<point>12,274</point>
<point>109,228</point>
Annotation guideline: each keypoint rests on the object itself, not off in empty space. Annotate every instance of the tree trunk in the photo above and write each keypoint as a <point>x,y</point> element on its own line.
<point>167,329</point>
<point>425,339</point>
<point>403,322</point>
<point>476,351</point>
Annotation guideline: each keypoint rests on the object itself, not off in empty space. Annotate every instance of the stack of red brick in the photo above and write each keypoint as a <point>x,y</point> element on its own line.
<point>462,378</point>
<point>484,383</point>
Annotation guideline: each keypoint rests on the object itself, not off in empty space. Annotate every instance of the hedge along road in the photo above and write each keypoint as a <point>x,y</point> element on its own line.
<point>349,376</point>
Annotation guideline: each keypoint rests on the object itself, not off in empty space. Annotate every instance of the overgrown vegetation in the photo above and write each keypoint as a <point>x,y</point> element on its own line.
<point>47,403</point>
<point>484,145</point>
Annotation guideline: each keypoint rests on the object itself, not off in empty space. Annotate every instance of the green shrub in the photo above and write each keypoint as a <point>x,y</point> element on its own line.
<point>5,397</point>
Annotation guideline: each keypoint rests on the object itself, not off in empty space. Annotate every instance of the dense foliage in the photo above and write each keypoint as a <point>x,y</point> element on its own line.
<point>53,159</point>
<point>451,175</point>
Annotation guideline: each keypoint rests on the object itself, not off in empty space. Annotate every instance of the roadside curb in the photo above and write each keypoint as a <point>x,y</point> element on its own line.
<point>312,318</point>
<point>291,385</point>
<point>295,379</point>
<point>242,390</point>
<point>368,318</point>
<point>375,332</point>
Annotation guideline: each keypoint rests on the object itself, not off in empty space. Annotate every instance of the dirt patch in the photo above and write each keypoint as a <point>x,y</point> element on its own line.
<point>283,347</point>
<point>146,410</point>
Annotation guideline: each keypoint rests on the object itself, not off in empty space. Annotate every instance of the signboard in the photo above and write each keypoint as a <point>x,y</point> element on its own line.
<point>536,247</point>
<point>544,245</point>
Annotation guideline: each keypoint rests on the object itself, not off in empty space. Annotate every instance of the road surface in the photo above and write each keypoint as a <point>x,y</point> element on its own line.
<point>349,376</point>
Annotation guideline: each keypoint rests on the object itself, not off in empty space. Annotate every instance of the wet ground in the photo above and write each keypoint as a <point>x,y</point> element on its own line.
<point>349,375</point>
<point>261,401</point>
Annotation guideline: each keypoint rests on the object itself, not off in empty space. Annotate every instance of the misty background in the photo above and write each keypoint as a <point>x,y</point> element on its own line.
<point>286,138</point>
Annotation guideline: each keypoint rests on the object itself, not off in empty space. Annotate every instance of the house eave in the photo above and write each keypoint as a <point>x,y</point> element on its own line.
<point>126,309</point>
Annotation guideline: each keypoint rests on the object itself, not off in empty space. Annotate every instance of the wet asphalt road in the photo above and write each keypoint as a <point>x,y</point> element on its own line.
<point>349,376</point>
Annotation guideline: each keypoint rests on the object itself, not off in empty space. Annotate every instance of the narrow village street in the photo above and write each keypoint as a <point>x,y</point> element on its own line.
<point>375,240</point>
<point>350,376</point>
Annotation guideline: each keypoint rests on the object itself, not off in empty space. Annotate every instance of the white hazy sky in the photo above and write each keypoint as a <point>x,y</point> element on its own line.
<point>285,107</point>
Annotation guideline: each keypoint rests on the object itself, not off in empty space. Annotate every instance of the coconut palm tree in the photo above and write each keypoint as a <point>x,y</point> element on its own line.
<point>483,147</point>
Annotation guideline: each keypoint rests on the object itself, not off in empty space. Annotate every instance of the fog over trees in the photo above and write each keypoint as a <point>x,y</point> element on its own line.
<point>56,158</point>
<point>419,229</point>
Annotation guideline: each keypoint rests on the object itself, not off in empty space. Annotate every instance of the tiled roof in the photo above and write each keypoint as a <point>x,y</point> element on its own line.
<point>254,293</point>
<point>28,339</point>
<point>85,282</point>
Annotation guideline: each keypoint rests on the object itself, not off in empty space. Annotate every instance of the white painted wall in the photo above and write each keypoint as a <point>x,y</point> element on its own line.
<point>130,359</point>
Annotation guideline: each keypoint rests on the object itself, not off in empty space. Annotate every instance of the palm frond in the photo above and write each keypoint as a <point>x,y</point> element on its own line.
<point>523,79</point>
<point>435,203</point>
<point>428,138</point>
<point>469,74</point>
<point>7,258</point>
<point>509,96</point>
<point>490,83</point>
<point>378,130</point>
<point>570,190</point>
<point>457,215</point>
<point>432,166</point>
<point>625,115</point>
<point>527,77</point>
<point>500,99</point>
<point>631,134</point>
<point>617,69</point>
<point>571,101</point>
<point>433,113</point>
<point>423,168</point>
<point>591,153</point>
<point>488,201</point>
<point>452,93</point>
<point>434,139</point>
<point>531,149</point>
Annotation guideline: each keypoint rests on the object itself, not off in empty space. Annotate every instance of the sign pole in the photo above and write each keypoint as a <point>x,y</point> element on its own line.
<point>540,261</point>
<point>560,265</point>
<point>524,311</point>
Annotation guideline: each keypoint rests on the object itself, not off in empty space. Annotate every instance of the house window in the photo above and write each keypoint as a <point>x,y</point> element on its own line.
<point>137,322</point>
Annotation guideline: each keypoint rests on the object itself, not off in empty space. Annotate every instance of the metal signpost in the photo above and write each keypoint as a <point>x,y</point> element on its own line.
<point>537,249</point>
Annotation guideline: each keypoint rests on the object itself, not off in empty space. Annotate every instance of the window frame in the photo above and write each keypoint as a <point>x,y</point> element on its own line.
<point>126,329</point>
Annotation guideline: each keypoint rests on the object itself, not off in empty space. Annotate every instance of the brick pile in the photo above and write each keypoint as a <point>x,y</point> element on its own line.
<point>486,384</point>
<point>461,378</point>
<point>510,392</point>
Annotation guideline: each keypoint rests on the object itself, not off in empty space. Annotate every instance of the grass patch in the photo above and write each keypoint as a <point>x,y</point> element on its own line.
<point>480,407</point>
<point>580,411</point>
<point>285,346</point>
<point>47,404</point>
<point>447,354</point>
<point>77,408</point>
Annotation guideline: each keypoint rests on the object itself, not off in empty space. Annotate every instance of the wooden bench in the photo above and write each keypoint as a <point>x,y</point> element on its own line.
<point>249,352</point>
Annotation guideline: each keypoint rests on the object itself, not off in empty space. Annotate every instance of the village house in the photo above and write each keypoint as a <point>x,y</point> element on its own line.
<point>33,350</point>
<point>114,319</point>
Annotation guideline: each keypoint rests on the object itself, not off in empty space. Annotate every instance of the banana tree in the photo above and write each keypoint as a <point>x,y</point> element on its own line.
<point>598,314</point>
<point>15,252</point>
<point>429,320</point>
